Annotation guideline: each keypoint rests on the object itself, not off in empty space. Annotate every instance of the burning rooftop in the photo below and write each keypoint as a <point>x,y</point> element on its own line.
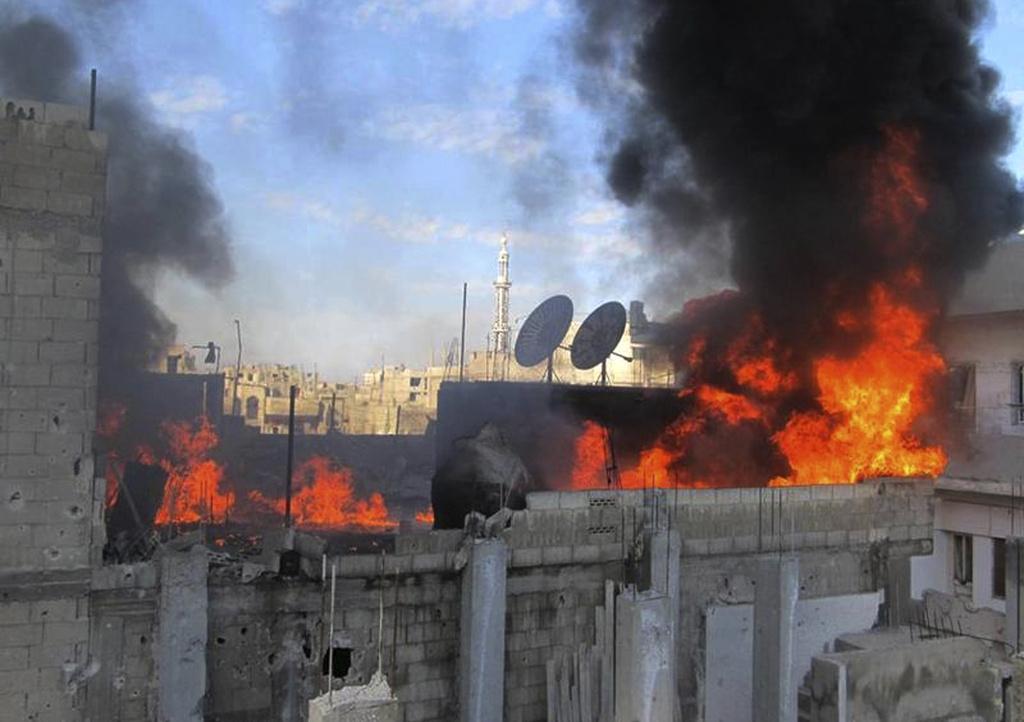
<point>769,505</point>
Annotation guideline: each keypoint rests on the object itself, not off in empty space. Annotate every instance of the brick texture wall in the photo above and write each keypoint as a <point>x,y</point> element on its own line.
<point>52,193</point>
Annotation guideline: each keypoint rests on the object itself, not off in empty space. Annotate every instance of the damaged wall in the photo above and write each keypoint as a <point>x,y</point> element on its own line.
<point>52,192</point>
<point>931,679</point>
<point>266,634</point>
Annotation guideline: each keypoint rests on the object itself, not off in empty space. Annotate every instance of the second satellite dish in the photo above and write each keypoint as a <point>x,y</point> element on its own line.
<point>598,335</point>
<point>543,330</point>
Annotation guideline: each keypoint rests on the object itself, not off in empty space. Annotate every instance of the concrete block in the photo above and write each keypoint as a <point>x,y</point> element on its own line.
<point>91,141</point>
<point>67,309</point>
<point>31,329</point>
<point>28,199</point>
<point>67,262</point>
<point>542,500</point>
<point>74,160</point>
<point>557,555</point>
<point>13,658</point>
<point>27,306</point>
<point>19,352</point>
<point>526,557</point>
<point>78,287</point>
<point>62,114</point>
<point>64,633</point>
<point>33,284</point>
<point>38,177</point>
<point>24,153</point>
<point>73,330</point>
<point>14,613</point>
<point>72,204</point>
<point>61,352</point>
<point>28,260</point>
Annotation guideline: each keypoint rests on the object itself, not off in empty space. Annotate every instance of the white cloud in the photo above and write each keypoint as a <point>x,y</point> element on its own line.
<point>189,97</point>
<point>244,121</point>
<point>482,131</point>
<point>279,7</point>
<point>311,208</point>
<point>1016,97</point>
<point>452,13</point>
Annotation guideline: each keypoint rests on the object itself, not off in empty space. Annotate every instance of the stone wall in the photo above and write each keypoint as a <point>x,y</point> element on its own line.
<point>267,635</point>
<point>52,193</point>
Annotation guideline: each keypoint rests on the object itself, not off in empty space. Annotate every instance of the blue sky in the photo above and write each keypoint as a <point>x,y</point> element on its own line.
<point>369,154</point>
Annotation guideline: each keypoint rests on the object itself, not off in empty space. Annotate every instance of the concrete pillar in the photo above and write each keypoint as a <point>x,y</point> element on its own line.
<point>775,597</point>
<point>181,637</point>
<point>897,591</point>
<point>482,643</point>
<point>645,679</point>
<point>1014,629</point>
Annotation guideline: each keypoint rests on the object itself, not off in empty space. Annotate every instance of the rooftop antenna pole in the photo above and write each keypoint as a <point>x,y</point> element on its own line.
<point>462,338</point>
<point>330,644</point>
<point>380,618</point>
<point>291,449</point>
<point>238,369</point>
<point>92,100</point>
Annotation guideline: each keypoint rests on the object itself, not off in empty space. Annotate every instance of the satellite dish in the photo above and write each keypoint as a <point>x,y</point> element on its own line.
<point>598,336</point>
<point>543,330</point>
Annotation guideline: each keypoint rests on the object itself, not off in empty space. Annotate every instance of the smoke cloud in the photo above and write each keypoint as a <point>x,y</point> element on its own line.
<point>749,127</point>
<point>162,211</point>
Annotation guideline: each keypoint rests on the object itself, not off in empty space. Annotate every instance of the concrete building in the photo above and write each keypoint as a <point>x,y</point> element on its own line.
<point>52,192</point>
<point>978,505</point>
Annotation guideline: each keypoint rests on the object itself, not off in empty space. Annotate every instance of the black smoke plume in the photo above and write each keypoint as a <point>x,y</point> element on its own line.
<point>161,210</point>
<point>748,124</point>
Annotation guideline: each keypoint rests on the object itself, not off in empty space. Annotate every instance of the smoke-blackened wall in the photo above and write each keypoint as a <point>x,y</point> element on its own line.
<point>162,211</point>
<point>755,123</point>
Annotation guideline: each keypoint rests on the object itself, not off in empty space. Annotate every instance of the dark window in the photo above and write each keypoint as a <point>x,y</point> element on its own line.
<point>999,568</point>
<point>252,407</point>
<point>962,390</point>
<point>172,364</point>
<point>963,558</point>
<point>414,381</point>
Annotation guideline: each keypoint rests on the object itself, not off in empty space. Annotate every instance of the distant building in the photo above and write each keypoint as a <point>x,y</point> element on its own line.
<point>983,342</point>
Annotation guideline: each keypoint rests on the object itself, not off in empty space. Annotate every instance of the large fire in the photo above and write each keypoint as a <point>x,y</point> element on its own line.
<point>745,424</point>
<point>325,499</point>
<point>197,489</point>
<point>193,492</point>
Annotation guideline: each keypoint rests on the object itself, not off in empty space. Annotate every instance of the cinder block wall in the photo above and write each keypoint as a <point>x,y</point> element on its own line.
<point>52,194</point>
<point>267,636</point>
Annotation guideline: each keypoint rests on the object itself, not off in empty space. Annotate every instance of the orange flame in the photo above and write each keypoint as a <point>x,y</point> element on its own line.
<point>869,399</point>
<point>326,500</point>
<point>869,405</point>
<point>192,492</point>
<point>426,516</point>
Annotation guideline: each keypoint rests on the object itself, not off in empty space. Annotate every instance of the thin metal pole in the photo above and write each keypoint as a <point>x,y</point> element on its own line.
<point>92,100</point>
<point>334,399</point>
<point>462,341</point>
<point>291,449</point>
<point>238,370</point>
<point>394,630</point>
<point>380,618</point>
<point>330,644</point>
